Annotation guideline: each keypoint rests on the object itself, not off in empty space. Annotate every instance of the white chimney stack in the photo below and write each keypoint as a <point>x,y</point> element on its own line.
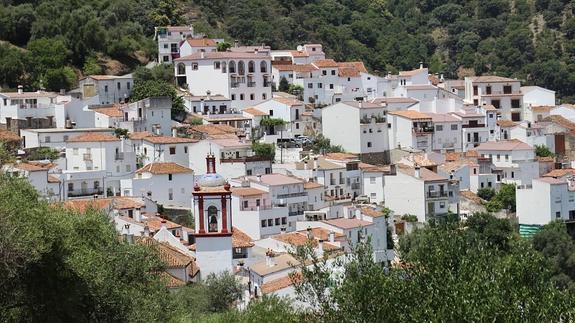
<point>331,236</point>
<point>417,173</point>
<point>20,89</point>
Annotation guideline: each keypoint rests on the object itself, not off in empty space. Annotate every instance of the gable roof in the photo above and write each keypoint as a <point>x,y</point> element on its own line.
<point>424,173</point>
<point>94,137</point>
<point>351,69</point>
<point>411,114</point>
<point>113,111</point>
<point>323,63</point>
<point>504,145</point>
<point>118,202</point>
<point>169,140</point>
<point>159,168</point>
<point>240,239</point>
<point>492,78</point>
<point>560,172</point>
<point>201,42</point>
<point>412,72</point>
<point>254,112</point>
<point>561,121</point>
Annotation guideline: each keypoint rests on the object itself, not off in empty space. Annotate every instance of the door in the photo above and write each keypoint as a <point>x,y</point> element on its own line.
<point>560,143</point>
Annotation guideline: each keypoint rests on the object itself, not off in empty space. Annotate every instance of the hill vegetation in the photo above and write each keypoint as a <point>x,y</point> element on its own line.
<point>533,40</point>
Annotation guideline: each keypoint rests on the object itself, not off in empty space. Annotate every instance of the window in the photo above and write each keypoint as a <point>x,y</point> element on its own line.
<point>454,127</point>
<point>264,223</point>
<point>119,86</point>
<point>217,65</point>
<point>263,67</point>
<point>245,204</point>
<point>252,96</point>
<point>194,66</point>
<point>496,104</point>
<point>498,157</point>
<point>106,88</point>
<point>515,103</point>
<point>249,172</point>
<point>475,91</point>
<point>264,96</point>
<point>241,96</point>
<point>337,99</point>
<point>241,68</point>
<point>332,72</point>
<point>233,97</point>
<point>271,113</point>
<point>310,85</point>
<point>506,157</point>
<point>70,186</point>
<point>284,220</point>
<point>512,174</point>
<point>172,150</point>
<point>441,205</point>
<point>270,222</point>
<point>439,127</point>
<point>96,185</point>
<point>372,180</point>
<point>66,138</point>
<point>324,72</point>
<point>232,66</point>
<point>212,219</point>
<point>185,149</point>
<point>488,89</point>
<point>166,58</point>
<point>170,194</point>
<point>169,177</point>
<point>558,214</point>
<point>223,67</point>
<point>297,125</point>
<point>75,151</point>
<point>319,85</point>
<point>257,202</point>
<point>507,89</point>
<point>128,168</point>
<point>251,67</point>
<point>128,85</point>
<point>166,46</point>
<point>47,139</point>
<point>369,144</point>
<point>331,86</point>
<point>181,68</point>
<point>268,170</point>
<point>277,221</point>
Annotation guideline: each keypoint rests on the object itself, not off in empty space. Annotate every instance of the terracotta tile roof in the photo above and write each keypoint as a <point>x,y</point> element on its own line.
<point>513,144</point>
<point>94,137</point>
<point>411,114</point>
<point>471,196</point>
<point>9,136</point>
<point>280,283</point>
<point>29,167</point>
<point>104,77</point>
<point>172,257</point>
<point>452,156</point>
<point>27,95</point>
<point>561,121</point>
<point>300,238</point>
<point>455,165</point>
<point>341,156</point>
<point>422,160</point>
<point>491,78</point>
<point>327,165</point>
<point>113,111</point>
<point>171,281</point>
<point>169,140</point>
<point>53,179</point>
<point>140,135</point>
<point>311,185</point>
<point>549,159</point>
<point>489,107</point>
<point>374,169</point>
<point>159,168</point>
<point>201,42</point>
<point>254,112</point>
<point>247,191</point>
<point>560,172</point>
<point>472,153</point>
<point>351,69</point>
<point>178,28</point>
<point>369,211</point>
<point>240,239</point>
<point>280,263</point>
<point>550,180</point>
<point>299,68</point>
<point>410,73</point>
<point>393,100</point>
<point>362,105</point>
<point>542,108</point>
<point>344,223</point>
<point>323,63</point>
<point>321,233</point>
<point>214,129</point>
<point>506,123</point>
<point>119,203</point>
<point>442,117</point>
<point>424,173</point>
<point>287,101</point>
<point>155,223</point>
<point>297,53</point>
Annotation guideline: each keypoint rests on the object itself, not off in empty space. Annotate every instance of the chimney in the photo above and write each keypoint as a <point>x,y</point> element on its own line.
<point>201,54</point>
<point>451,174</point>
<point>202,104</point>
<point>320,247</point>
<point>441,78</point>
<point>20,89</point>
<point>236,43</point>
<point>309,233</point>
<point>420,65</point>
<point>259,177</point>
<point>269,258</point>
<point>360,103</point>
<point>331,236</point>
<point>208,94</point>
<point>528,124</point>
<point>163,224</point>
<point>146,232</point>
<point>417,173</point>
<point>255,50</point>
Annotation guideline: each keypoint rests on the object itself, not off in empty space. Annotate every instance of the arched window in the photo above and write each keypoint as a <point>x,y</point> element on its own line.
<point>181,69</point>
<point>223,67</point>
<point>263,67</point>
<point>212,219</point>
<point>241,68</point>
<point>232,67</point>
<point>251,67</point>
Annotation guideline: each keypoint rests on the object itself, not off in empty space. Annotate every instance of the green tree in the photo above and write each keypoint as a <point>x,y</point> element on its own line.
<point>543,151</point>
<point>322,145</point>
<point>91,66</point>
<point>284,85</point>
<point>43,153</point>
<point>153,88</point>
<point>264,150</point>
<point>555,244</point>
<point>486,193</point>
<point>223,46</point>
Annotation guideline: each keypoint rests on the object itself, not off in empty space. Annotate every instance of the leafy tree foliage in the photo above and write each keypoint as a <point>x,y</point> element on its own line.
<point>322,144</point>
<point>43,153</point>
<point>151,88</point>
<point>543,151</point>
<point>555,244</point>
<point>284,85</point>
<point>486,193</point>
<point>504,199</point>
<point>264,150</point>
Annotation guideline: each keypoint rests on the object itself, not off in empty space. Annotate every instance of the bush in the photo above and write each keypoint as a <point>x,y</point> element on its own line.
<point>486,193</point>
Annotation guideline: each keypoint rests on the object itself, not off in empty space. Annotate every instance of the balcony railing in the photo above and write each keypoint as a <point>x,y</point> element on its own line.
<point>434,194</point>
<point>290,195</point>
<point>295,213</point>
<point>251,84</point>
<point>473,126</point>
<point>85,192</point>
<point>87,157</point>
<point>256,208</point>
<point>120,156</point>
<point>423,130</point>
<point>267,83</point>
<point>235,84</point>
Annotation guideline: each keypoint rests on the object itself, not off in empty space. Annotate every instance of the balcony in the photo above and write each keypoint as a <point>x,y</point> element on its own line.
<point>290,195</point>
<point>119,156</point>
<point>333,182</point>
<point>375,119</point>
<point>355,186</point>
<point>423,130</point>
<point>295,213</point>
<point>434,194</point>
<point>267,83</point>
<point>479,125</point>
<point>85,192</point>
<point>251,84</point>
<point>87,157</point>
<point>235,85</point>
<point>257,208</point>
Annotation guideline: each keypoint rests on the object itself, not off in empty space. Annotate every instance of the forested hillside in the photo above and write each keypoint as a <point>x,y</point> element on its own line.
<point>529,39</point>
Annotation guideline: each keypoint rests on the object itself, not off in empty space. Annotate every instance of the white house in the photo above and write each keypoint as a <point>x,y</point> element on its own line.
<point>195,45</point>
<point>109,89</point>
<point>165,149</point>
<point>169,39</point>
<point>420,192</point>
<point>501,92</point>
<point>95,164</point>
<point>288,110</point>
<point>447,132</point>
<point>167,183</point>
<point>152,114</point>
<point>31,110</point>
<point>48,185</point>
<point>410,129</point>
<point>547,199</point>
<point>244,77</point>
<point>538,96</point>
<point>55,137</point>
<point>359,127</point>
<point>513,159</point>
